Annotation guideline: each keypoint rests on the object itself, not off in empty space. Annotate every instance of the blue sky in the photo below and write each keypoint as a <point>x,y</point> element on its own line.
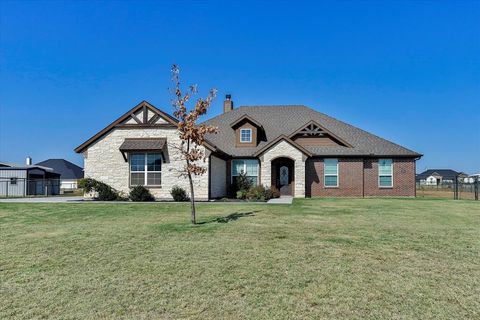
<point>406,71</point>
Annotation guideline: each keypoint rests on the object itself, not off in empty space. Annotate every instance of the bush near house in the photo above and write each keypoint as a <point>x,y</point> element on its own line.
<point>140,194</point>
<point>104,191</point>
<point>179,194</point>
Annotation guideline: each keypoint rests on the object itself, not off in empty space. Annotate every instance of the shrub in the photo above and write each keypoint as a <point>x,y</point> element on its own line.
<point>140,193</point>
<point>261,193</point>
<point>179,194</point>
<point>105,192</point>
<point>257,193</point>
<point>272,193</point>
<point>241,194</point>
<point>243,182</point>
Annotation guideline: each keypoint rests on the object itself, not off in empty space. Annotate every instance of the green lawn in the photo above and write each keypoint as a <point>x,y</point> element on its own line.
<point>318,258</point>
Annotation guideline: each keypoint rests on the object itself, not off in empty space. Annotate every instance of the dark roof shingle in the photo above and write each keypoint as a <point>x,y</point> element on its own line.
<point>284,120</point>
<point>66,169</point>
<point>143,144</point>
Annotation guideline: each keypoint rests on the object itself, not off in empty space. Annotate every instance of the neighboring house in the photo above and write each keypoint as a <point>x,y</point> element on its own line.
<point>436,177</point>
<point>70,172</point>
<point>297,149</point>
<point>23,180</point>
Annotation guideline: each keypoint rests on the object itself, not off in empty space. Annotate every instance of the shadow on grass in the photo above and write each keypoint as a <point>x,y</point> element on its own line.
<point>231,217</point>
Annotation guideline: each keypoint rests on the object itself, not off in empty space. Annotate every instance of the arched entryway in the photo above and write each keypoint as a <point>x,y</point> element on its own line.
<point>283,175</point>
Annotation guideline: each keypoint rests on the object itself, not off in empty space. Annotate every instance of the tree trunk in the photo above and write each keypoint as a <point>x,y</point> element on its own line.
<point>192,199</point>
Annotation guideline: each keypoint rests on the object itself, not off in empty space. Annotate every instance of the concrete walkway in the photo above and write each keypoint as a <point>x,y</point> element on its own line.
<point>79,199</point>
<point>43,199</point>
<point>281,200</point>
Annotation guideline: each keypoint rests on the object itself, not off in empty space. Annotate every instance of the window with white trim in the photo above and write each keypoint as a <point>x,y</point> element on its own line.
<point>330,172</point>
<point>385,173</point>
<point>145,169</point>
<point>245,135</point>
<point>250,167</point>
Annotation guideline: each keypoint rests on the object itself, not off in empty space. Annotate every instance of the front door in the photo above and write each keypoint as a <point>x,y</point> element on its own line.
<point>284,181</point>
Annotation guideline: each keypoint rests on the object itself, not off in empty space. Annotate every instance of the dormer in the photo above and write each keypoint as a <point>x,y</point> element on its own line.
<point>313,134</point>
<point>247,131</point>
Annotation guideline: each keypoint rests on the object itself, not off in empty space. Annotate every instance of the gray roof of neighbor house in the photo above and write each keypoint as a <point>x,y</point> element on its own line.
<point>285,120</point>
<point>66,169</point>
<point>444,173</point>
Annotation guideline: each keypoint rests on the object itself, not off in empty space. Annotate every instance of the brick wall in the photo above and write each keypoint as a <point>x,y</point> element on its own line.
<point>350,179</point>
<point>403,178</point>
<point>359,177</point>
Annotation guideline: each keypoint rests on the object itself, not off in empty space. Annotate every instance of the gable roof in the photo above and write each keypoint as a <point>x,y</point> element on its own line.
<point>66,169</point>
<point>145,122</point>
<point>444,173</point>
<point>321,130</point>
<point>245,117</point>
<point>279,139</point>
<point>285,120</point>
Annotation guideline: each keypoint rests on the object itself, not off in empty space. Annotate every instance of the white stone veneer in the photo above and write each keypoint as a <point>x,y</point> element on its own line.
<point>284,149</point>
<point>103,161</point>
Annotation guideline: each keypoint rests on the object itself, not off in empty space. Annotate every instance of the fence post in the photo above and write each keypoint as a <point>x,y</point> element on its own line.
<point>6,189</point>
<point>475,187</point>
<point>455,188</point>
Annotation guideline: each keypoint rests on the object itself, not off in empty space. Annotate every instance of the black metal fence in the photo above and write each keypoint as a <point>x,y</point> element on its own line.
<point>21,187</point>
<point>458,189</point>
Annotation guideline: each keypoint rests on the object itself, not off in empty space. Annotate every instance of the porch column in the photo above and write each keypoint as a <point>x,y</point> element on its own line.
<point>300,177</point>
<point>265,172</point>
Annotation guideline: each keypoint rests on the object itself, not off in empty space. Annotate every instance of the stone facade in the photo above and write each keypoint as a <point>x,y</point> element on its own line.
<point>284,149</point>
<point>104,162</point>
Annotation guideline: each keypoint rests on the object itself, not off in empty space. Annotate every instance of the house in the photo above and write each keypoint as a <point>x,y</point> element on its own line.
<point>24,180</point>
<point>295,148</point>
<point>70,172</point>
<point>436,177</point>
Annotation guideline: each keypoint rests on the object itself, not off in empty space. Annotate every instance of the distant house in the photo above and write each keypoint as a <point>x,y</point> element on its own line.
<point>24,180</point>
<point>70,172</point>
<point>435,177</point>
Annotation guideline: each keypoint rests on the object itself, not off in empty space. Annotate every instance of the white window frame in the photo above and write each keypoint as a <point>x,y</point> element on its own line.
<point>385,175</point>
<point>250,135</point>
<point>145,170</point>
<point>244,169</point>
<point>330,175</point>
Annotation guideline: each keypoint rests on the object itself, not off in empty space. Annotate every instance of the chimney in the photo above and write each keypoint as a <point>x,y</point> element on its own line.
<point>228,103</point>
<point>28,161</point>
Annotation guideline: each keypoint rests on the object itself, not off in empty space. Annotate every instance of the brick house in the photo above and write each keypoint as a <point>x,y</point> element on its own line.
<point>295,148</point>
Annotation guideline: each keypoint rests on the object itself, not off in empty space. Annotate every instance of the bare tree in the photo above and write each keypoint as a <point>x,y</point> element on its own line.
<point>192,134</point>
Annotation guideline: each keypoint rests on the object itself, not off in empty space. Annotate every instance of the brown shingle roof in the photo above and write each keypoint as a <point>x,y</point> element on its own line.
<point>284,120</point>
<point>142,144</point>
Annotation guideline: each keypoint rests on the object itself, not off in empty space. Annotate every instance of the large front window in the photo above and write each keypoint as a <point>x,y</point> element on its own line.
<point>249,167</point>
<point>330,171</point>
<point>385,173</point>
<point>145,169</point>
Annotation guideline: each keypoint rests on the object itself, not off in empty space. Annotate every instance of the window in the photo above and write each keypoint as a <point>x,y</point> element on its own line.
<point>13,181</point>
<point>145,169</point>
<point>385,173</point>
<point>250,167</point>
<point>330,172</point>
<point>245,135</point>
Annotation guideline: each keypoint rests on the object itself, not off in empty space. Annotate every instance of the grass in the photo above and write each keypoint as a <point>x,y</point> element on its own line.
<point>318,259</point>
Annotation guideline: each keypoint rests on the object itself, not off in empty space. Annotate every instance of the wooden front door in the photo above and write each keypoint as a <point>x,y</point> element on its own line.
<point>284,177</point>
